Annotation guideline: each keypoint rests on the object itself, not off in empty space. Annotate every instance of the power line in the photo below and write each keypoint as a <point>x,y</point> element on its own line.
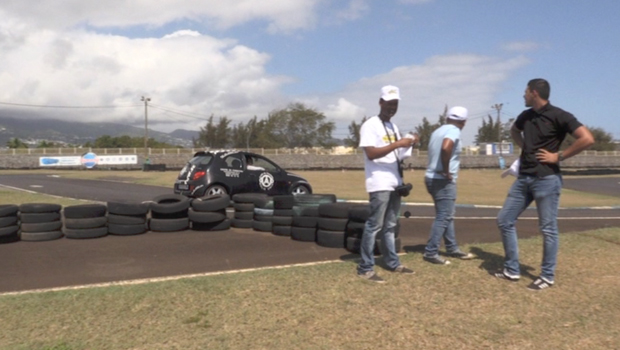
<point>68,107</point>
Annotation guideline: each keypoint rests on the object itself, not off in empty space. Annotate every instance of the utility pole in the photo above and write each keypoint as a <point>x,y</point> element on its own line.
<point>146,126</point>
<point>498,107</point>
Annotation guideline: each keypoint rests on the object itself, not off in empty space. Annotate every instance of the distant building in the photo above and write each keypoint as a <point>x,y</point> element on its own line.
<point>493,148</point>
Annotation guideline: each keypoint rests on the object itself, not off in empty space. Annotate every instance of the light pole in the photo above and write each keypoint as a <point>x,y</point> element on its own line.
<point>498,107</point>
<point>146,126</point>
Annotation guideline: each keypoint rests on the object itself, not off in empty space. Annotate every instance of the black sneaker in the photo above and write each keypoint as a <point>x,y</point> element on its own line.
<point>371,276</point>
<point>540,284</point>
<point>404,270</point>
<point>503,274</point>
<point>462,255</point>
<point>437,260</point>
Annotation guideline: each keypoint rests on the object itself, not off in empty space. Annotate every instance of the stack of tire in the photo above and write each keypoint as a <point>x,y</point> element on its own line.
<point>355,229</point>
<point>127,219</point>
<point>9,223</point>
<point>85,221</point>
<point>263,214</point>
<point>244,209</point>
<point>40,221</point>
<point>169,213</point>
<point>282,215</point>
<point>332,224</point>
<point>209,213</point>
<point>306,210</point>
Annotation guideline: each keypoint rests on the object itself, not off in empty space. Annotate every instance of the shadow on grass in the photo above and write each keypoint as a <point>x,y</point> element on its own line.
<point>492,263</point>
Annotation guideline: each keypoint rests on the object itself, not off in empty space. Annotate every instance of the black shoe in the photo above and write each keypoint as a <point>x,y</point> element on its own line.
<point>540,284</point>
<point>436,260</point>
<point>371,276</point>
<point>462,255</point>
<point>503,274</point>
<point>403,270</point>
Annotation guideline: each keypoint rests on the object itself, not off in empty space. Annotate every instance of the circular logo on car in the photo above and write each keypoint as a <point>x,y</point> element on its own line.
<point>265,180</point>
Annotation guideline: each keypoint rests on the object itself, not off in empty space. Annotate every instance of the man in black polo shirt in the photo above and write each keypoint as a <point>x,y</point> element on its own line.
<point>539,131</point>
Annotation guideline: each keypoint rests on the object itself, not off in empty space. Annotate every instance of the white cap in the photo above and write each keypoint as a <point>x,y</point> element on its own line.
<point>389,93</point>
<point>513,170</point>
<point>457,113</point>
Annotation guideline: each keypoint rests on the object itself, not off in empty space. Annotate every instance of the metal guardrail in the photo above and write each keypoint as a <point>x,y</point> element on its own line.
<point>190,151</point>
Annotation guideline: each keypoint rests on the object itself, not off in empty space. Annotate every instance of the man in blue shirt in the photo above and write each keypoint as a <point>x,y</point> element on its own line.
<point>444,150</point>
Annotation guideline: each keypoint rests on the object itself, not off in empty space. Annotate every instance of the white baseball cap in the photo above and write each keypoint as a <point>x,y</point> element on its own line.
<point>457,113</point>
<point>389,93</point>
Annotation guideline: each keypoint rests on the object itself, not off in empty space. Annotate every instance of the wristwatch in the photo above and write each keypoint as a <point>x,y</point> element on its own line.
<point>560,156</point>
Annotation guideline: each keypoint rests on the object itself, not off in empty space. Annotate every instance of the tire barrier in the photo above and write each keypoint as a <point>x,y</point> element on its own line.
<point>40,222</point>
<point>9,223</point>
<point>127,219</point>
<point>209,213</point>
<point>85,221</point>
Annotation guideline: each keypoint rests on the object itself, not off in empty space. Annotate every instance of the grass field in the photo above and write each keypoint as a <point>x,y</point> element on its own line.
<point>327,307</point>
<point>481,187</point>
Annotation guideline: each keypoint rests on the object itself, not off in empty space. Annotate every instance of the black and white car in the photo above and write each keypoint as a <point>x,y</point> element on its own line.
<point>233,171</point>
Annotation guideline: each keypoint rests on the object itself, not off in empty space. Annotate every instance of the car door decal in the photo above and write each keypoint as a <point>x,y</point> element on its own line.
<point>231,172</point>
<point>266,181</point>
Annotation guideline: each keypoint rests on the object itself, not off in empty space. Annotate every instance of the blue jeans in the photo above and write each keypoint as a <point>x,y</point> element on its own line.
<point>443,192</point>
<point>384,212</point>
<point>546,192</point>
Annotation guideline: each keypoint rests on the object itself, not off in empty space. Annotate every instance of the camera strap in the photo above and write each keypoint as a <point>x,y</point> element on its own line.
<point>398,161</point>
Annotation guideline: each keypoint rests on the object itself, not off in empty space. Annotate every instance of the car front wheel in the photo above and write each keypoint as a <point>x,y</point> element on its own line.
<point>300,189</point>
<point>215,190</point>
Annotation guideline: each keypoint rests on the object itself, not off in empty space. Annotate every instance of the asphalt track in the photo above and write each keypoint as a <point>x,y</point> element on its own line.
<point>28,266</point>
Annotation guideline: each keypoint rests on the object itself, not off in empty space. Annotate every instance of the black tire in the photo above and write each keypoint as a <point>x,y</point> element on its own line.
<point>8,210</point>
<point>85,232</point>
<point>248,197</point>
<point>305,221</point>
<point>13,237</point>
<point>332,224</point>
<point>330,239</point>
<point>8,221</point>
<point>263,212</point>
<point>265,218</point>
<point>354,244</point>
<point>244,215</point>
<point>212,226</point>
<point>9,230</point>
<point>263,226</point>
<point>40,236</point>
<point>131,209</point>
<point>126,230</point>
<point>39,208</point>
<point>84,211</point>
<point>36,218</point>
<point>170,204</point>
<point>178,215</point>
<point>300,189</point>
<point>283,202</point>
<point>240,223</point>
<point>241,206</point>
<point>359,214</point>
<point>42,227</point>
<point>265,203</point>
<point>354,231</point>
<point>304,234</point>
<point>127,219</point>
<point>213,203</point>
<point>314,199</point>
<point>280,230</point>
<point>168,225</point>
<point>309,211</point>
<point>216,190</point>
<point>87,223</point>
<point>205,217</point>
<point>335,210</point>
<point>283,212</point>
<point>282,220</point>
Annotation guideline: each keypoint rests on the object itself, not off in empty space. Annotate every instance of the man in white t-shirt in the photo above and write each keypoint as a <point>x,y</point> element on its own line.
<point>444,150</point>
<point>383,150</point>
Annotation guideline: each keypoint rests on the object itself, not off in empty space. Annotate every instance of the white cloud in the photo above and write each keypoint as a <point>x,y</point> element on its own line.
<point>185,71</point>
<point>355,10</point>
<point>281,15</point>
<point>521,46</point>
<point>471,81</point>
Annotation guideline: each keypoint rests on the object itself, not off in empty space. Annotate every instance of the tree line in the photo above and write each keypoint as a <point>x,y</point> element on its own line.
<point>300,126</point>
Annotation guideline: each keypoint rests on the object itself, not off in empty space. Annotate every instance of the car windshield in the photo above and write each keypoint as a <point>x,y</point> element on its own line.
<point>200,160</point>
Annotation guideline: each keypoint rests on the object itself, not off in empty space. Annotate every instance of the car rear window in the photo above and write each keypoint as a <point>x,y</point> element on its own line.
<point>201,160</point>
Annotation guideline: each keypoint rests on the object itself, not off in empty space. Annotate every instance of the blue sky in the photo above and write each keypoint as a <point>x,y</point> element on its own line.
<point>246,58</point>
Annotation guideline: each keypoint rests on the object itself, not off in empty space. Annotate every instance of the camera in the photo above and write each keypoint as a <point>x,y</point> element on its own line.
<point>404,189</point>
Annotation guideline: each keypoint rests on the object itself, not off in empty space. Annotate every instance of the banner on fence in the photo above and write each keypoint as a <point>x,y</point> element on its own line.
<point>89,160</point>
